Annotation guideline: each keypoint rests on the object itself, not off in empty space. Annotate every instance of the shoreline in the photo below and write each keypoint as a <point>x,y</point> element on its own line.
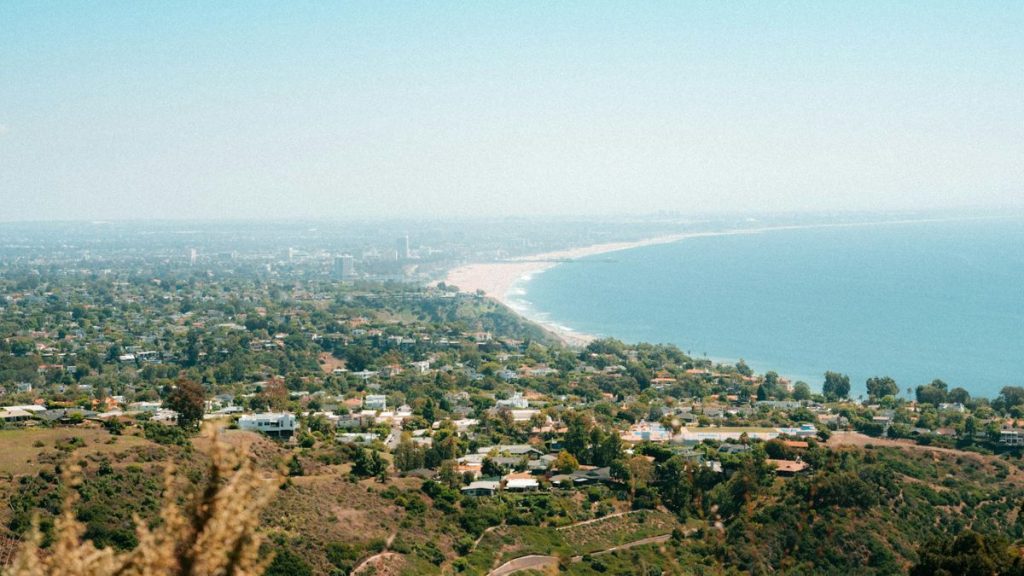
<point>497,279</point>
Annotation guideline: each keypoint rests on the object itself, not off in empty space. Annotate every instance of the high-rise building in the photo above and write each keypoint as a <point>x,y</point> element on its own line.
<point>193,254</point>
<point>344,267</point>
<point>402,248</point>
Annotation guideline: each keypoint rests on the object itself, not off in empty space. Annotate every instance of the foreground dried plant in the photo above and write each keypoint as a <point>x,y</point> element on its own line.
<point>216,535</point>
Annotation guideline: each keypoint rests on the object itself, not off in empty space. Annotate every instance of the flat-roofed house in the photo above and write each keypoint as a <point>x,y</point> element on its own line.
<point>273,424</point>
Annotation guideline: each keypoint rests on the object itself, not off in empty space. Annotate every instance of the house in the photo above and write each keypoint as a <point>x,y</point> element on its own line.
<point>523,415</point>
<point>357,420</point>
<point>273,424</point>
<point>799,444</point>
<point>520,482</point>
<point>507,375</point>
<point>356,437</point>
<point>482,488</point>
<point>144,406</point>
<point>647,431</point>
<point>583,477</point>
<point>730,448</point>
<point>12,414</point>
<point>65,415</point>
<point>519,450</point>
<point>1011,437</point>
<point>516,402</point>
<point>375,402</point>
<point>802,431</point>
<point>788,467</point>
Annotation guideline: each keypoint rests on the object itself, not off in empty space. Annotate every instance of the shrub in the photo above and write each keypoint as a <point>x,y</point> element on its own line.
<point>215,534</point>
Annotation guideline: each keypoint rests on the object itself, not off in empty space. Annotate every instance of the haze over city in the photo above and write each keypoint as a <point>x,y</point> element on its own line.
<point>122,110</point>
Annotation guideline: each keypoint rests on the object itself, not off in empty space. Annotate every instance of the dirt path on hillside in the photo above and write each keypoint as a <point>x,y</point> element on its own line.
<point>372,561</point>
<point>540,562</point>
<point>628,545</point>
<point>592,520</point>
<point>532,562</point>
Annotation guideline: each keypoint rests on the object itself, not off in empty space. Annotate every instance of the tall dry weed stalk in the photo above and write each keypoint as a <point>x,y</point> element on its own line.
<point>215,535</point>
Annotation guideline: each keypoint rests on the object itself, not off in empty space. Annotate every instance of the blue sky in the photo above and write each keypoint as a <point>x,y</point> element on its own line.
<point>149,109</point>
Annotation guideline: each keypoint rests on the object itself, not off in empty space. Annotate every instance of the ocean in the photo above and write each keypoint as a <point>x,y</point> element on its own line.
<point>914,301</point>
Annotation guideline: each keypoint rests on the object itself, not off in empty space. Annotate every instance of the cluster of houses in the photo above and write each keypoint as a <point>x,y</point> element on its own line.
<point>523,467</point>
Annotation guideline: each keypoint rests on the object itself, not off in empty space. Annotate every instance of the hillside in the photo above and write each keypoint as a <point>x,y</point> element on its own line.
<point>863,510</point>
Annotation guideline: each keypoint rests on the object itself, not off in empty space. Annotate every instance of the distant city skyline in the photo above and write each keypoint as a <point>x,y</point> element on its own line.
<point>260,110</point>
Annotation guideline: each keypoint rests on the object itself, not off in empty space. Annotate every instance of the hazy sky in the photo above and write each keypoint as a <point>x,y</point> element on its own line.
<point>144,109</point>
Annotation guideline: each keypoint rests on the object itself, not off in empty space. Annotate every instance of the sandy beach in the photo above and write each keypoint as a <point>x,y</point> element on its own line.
<point>496,279</point>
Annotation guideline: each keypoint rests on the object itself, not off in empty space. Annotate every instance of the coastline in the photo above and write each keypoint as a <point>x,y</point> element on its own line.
<point>497,280</point>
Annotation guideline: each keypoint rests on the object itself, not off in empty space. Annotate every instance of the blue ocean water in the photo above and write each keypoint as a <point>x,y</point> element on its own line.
<point>913,301</point>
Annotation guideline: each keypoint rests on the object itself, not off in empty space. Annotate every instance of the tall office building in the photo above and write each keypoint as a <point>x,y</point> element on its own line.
<point>193,254</point>
<point>344,267</point>
<point>402,248</point>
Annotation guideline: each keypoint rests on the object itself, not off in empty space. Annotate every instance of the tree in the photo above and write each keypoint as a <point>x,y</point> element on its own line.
<point>675,485</point>
<point>930,394</point>
<point>490,468</point>
<point>24,346</point>
<point>448,474</point>
<point>288,563</point>
<point>192,348</point>
<point>565,463</point>
<point>969,554</point>
<point>880,387</point>
<point>801,391</point>
<point>608,450</point>
<point>958,395</point>
<point>1011,396</point>
<point>641,472</point>
<point>295,467</point>
<point>576,435</point>
<point>836,386</point>
<point>189,400</point>
<point>743,369</point>
<point>368,463</point>
<point>275,394</point>
<point>770,388</point>
<point>408,456</point>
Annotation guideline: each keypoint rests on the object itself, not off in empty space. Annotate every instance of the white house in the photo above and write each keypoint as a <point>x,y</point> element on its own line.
<point>516,402</point>
<point>274,424</point>
<point>375,402</point>
<point>144,406</point>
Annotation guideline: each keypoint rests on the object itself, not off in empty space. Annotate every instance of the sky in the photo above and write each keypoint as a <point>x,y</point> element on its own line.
<point>192,109</point>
